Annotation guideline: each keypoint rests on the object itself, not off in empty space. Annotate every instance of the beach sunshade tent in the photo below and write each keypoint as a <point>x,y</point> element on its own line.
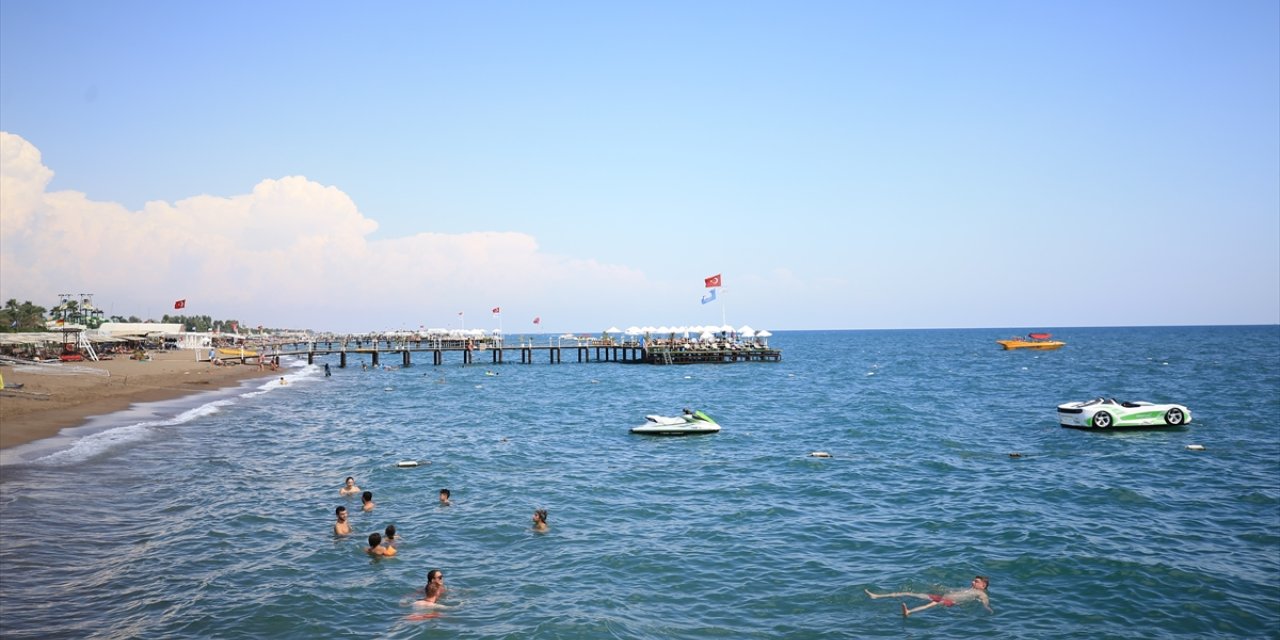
<point>613,330</point>
<point>763,333</point>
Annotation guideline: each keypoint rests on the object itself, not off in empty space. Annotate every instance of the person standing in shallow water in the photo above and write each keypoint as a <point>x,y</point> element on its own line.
<point>540,520</point>
<point>350,488</point>
<point>341,527</point>
<point>367,499</point>
<point>976,591</point>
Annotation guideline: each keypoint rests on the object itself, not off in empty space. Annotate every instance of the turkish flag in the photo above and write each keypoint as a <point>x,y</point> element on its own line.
<point>537,320</point>
<point>497,310</point>
<point>181,304</point>
<point>713,281</point>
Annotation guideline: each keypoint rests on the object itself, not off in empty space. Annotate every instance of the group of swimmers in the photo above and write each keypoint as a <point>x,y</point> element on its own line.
<point>384,544</point>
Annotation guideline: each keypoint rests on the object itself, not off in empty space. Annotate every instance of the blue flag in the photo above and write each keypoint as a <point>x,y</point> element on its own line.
<point>709,297</point>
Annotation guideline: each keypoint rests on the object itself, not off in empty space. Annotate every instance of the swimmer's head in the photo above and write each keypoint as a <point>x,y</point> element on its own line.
<point>341,512</point>
<point>540,515</point>
<point>444,494</point>
<point>391,531</point>
<point>375,539</point>
<point>350,481</point>
<point>366,496</point>
<point>982,582</point>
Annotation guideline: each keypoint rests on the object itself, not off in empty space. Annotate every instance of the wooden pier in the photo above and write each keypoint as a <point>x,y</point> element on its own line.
<point>402,352</point>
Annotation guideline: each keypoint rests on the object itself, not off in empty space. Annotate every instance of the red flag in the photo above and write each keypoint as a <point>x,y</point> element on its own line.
<point>537,320</point>
<point>181,304</point>
<point>497,310</point>
<point>235,326</point>
<point>713,281</point>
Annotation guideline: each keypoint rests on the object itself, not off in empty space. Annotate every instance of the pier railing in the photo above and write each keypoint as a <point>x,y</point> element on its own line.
<point>499,350</point>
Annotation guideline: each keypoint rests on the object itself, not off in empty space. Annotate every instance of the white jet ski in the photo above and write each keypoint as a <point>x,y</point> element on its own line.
<point>691,423</point>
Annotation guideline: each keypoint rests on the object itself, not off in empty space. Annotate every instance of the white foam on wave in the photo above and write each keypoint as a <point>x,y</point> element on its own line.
<point>68,447</point>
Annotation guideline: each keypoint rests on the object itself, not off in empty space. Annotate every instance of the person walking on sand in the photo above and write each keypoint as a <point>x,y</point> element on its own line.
<point>341,527</point>
<point>977,591</point>
<point>540,520</point>
<point>367,499</point>
<point>350,488</point>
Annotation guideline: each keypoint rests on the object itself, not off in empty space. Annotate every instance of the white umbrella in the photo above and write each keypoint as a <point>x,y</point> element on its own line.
<point>727,329</point>
<point>747,332</point>
<point>707,336</point>
<point>763,333</point>
<point>648,329</point>
<point>664,329</point>
<point>633,331</point>
<point>613,330</point>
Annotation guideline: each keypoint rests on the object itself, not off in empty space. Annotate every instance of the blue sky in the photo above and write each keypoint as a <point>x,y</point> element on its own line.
<point>843,164</point>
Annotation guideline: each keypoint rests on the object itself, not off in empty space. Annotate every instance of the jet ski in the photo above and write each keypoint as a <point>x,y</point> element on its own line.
<point>691,423</point>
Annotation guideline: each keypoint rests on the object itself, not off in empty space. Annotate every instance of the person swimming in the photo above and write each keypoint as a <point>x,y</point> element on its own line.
<point>341,527</point>
<point>444,498</point>
<point>376,548</point>
<point>367,499</point>
<point>434,590</point>
<point>976,591</point>
<point>540,520</point>
<point>349,488</point>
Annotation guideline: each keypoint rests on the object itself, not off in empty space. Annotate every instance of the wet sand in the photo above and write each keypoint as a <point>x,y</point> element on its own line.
<point>48,403</point>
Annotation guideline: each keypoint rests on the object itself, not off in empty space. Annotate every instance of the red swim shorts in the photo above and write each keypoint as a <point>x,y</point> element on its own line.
<point>946,602</point>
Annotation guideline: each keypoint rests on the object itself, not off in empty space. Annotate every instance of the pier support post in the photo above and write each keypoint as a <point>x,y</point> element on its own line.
<point>375,357</point>
<point>342,360</point>
<point>406,357</point>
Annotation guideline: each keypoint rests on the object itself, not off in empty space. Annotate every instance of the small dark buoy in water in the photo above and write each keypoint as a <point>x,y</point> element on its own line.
<point>1015,454</point>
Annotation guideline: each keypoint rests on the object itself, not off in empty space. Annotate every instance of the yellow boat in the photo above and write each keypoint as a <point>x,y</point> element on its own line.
<point>1039,341</point>
<point>236,352</point>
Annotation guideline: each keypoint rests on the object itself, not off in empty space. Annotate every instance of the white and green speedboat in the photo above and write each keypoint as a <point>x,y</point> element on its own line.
<point>1108,413</point>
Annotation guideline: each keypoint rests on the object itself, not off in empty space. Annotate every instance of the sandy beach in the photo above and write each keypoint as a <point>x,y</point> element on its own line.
<point>50,402</point>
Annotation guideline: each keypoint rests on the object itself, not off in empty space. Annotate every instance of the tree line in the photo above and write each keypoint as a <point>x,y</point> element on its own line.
<point>26,317</point>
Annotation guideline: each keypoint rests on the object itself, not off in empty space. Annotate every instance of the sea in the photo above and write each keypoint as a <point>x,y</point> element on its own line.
<point>211,516</point>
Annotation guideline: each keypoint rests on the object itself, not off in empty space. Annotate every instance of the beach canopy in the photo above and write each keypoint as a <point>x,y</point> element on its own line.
<point>707,336</point>
<point>613,330</point>
<point>747,332</point>
<point>763,333</point>
<point>633,331</point>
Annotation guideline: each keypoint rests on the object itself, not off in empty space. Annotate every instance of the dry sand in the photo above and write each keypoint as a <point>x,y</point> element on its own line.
<point>46,404</point>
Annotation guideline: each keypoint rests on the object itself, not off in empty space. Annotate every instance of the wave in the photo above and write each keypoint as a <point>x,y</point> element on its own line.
<point>103,434</point>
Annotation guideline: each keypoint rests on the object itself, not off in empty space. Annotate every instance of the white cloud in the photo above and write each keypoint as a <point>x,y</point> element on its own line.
<point>289,253</point>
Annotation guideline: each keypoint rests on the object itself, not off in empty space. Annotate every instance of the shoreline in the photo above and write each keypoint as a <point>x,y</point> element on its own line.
<point>47,403</point>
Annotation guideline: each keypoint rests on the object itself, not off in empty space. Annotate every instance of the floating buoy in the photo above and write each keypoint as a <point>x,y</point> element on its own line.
<point>407,463</point>
<point>1195,447</point>
<point>819,454</point>
<point>1015,454</point>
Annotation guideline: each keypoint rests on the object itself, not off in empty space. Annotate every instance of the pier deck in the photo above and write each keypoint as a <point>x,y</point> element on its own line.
<point>497,352</point>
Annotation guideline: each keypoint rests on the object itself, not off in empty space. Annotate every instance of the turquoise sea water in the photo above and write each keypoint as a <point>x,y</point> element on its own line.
<point>212,517</point>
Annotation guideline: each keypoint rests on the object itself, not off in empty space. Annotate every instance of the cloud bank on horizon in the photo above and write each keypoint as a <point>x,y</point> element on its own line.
<point>289,253</point>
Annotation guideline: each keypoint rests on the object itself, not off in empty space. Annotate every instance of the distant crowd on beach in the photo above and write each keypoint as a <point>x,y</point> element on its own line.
<point>384,544</point>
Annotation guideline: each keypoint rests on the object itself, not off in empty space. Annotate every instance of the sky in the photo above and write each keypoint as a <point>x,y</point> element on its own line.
<point>844,165</point>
